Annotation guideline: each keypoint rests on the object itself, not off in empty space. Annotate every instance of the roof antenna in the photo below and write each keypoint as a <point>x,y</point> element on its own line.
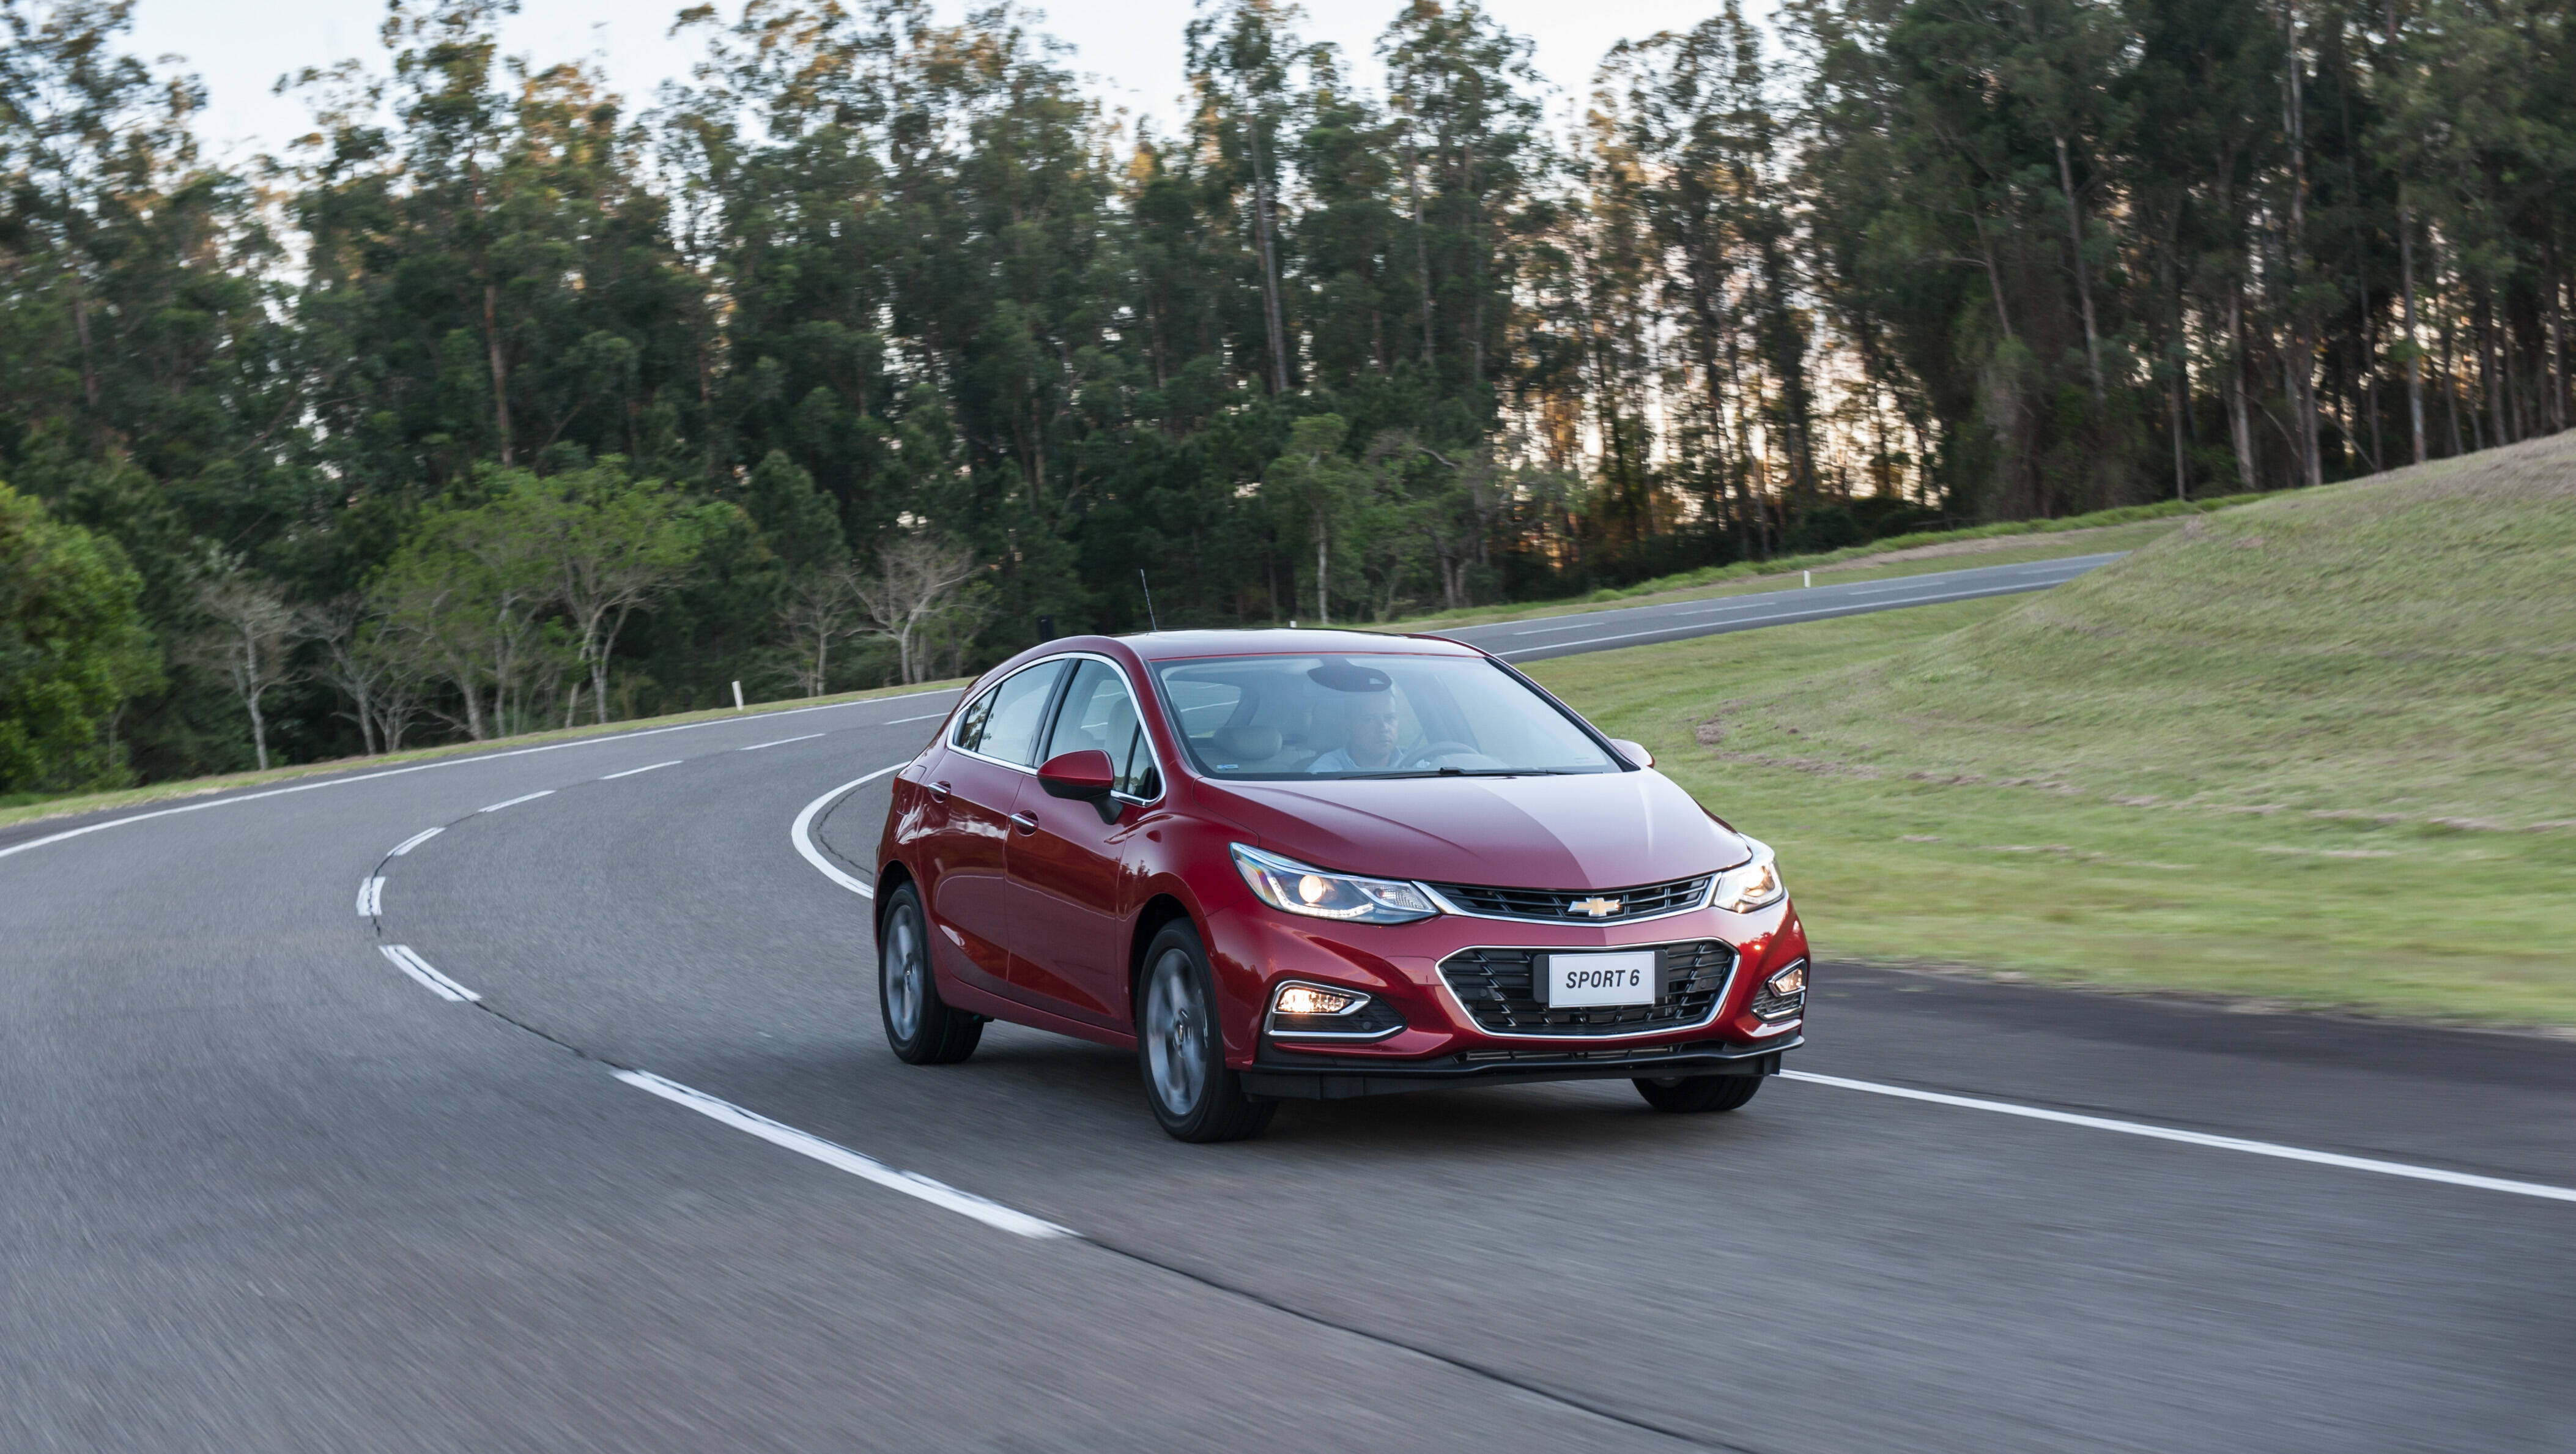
<point>1149,600</point>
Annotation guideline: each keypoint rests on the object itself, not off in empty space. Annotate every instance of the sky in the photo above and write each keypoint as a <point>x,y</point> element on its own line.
<point>1130,48</point>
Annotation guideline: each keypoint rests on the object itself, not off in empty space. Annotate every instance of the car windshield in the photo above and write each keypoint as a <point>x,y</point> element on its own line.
<point>1369,715</point>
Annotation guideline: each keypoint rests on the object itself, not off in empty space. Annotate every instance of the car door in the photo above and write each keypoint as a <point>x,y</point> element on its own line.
<point>1068,867</point>
<point>975,786</point>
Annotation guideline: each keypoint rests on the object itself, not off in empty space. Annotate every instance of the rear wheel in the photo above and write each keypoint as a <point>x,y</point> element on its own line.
<point>1181,1050</point>
<point>920,1027</point>
<point>1685,1093</point>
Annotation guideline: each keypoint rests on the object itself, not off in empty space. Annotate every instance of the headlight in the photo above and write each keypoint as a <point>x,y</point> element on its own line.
<point>1752,886</point>
<point>1284,883</point>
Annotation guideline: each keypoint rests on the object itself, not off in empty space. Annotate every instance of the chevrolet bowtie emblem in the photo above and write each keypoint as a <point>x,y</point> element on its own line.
<point>1597,908</point>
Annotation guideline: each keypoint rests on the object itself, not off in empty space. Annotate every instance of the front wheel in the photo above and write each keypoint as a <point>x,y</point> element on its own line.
<point>1687,1093</point>
<point>918,1024</point>
<point>1181,1050</point>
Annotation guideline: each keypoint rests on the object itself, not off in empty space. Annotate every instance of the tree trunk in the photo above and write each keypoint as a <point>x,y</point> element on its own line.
<point>500,366</point>
<point>2083,282</point>
<point>2414,343</point>
<point>2239,426</point>
<point>2299,365</point>
<point>1269,264</point>
<point>1421,244</point>
<point>1323,595</point>
<point>253,688</point>
<point>80,328</point>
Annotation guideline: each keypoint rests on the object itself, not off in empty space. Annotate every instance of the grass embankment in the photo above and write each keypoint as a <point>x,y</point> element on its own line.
<point>62,807</point>
<point>2319,751</point>
<point>1897,555</point>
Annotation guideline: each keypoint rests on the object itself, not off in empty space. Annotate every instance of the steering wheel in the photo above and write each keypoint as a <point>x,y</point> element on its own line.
<point>1437,750</point>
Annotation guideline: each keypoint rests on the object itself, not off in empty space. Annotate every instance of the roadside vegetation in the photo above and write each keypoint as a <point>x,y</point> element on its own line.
<point>882,346</point>
<point>2318,751</point>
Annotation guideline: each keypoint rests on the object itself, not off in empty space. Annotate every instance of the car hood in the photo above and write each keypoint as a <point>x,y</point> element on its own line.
<point>1586,831</point>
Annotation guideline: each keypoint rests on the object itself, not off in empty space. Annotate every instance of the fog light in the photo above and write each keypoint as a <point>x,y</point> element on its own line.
<point>1790,981</point>
<point>1307,999</point>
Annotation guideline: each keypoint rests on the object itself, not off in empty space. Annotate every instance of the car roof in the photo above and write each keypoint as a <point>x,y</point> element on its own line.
<point>1284,641</point>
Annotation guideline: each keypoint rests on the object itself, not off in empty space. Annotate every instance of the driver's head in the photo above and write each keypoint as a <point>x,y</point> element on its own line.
<point>1372,739</point>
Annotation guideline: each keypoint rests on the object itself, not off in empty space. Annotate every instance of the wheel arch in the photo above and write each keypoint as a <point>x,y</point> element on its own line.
<point>1159,910</point>
<point>892,876</point>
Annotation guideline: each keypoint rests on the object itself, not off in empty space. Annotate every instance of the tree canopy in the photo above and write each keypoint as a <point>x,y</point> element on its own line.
<point>533,401</point>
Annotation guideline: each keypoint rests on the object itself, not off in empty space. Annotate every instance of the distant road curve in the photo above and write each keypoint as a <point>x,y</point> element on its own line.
<point>1542,637</point>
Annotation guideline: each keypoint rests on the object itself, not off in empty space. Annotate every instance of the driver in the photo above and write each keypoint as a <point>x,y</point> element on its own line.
<point>1371,743</point>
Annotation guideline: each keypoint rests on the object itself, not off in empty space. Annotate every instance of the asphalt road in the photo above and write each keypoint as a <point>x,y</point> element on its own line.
<point>1541,637</point>
<point>266,1189</point>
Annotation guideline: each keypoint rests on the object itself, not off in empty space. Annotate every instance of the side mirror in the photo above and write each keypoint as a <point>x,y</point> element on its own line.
<point>1633,751</point>
<point>1083,777</point>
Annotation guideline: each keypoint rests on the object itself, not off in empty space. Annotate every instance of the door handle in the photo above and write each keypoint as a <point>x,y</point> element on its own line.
<point>938,792</point>
<point>1025,822</point>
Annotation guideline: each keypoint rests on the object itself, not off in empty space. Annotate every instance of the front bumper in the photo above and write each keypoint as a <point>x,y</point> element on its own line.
<point>1443,1041</point>
<point>1291,1076</point>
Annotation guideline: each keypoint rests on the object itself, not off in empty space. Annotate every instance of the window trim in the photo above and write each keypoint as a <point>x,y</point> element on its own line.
<point>1054,708</point>
<point>1046,713</point>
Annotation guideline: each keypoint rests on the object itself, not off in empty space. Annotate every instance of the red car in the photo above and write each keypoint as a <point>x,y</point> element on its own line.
<point>1323,864</point>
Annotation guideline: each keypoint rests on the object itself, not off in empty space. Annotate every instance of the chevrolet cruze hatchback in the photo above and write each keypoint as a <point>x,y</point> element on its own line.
<point>1322,864</point>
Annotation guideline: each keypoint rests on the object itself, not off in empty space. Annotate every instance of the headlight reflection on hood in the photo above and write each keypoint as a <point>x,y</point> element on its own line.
<point>1750,886</point>
<point>1284,883</point>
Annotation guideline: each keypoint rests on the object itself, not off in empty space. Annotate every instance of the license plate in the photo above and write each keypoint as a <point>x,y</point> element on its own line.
<point>1577,980</point>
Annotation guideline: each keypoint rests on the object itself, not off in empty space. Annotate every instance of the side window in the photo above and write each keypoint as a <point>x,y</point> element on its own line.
<point>1100,713</point>
<point>1009,730</point>
<point>970,723</point>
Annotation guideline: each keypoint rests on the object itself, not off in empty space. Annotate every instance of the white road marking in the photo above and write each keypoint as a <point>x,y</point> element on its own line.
<point>868,1168</point>
<point>2199,1138</point>
<point>925,717</point>
<point>800,833</point>
<point>781,742</point>
<point>86,829</point>
<point>418,968</point>
<point>371,897</point>
<point>514,802</point>
<point>414,841</point>
<point>632,771</point>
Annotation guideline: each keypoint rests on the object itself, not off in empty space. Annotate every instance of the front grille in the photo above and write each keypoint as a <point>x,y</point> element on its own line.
<point>1495,985</point>
<point>1556,906</point>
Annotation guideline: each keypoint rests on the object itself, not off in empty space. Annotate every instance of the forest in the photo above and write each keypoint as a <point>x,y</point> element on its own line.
<point>497,401</point>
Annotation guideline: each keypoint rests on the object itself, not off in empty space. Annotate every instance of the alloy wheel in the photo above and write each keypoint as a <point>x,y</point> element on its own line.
<point>903,974</point>
<point>1175,1034</point>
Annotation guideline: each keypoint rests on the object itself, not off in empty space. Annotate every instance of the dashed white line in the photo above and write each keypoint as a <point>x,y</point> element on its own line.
<point>801,834</point>
<point>514,802</point>
<point>781,742</point>
<point>632,771</point>
<point>371,897</point>
<point>2198,1138</point>
<point>414,841</point>
<point>418,968</point>
<point>868,1168</point>
<point>924,717</point>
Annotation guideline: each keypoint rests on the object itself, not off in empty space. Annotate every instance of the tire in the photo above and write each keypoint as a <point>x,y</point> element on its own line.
<point>1181,1050</point>
<point>918,1024</point>
<point>1686,1094</point>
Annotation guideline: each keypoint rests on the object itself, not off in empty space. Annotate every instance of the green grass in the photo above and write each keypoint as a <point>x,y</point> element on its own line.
<point>2319,751</point>
<point>27,808</point>
<point>1983,545</point>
